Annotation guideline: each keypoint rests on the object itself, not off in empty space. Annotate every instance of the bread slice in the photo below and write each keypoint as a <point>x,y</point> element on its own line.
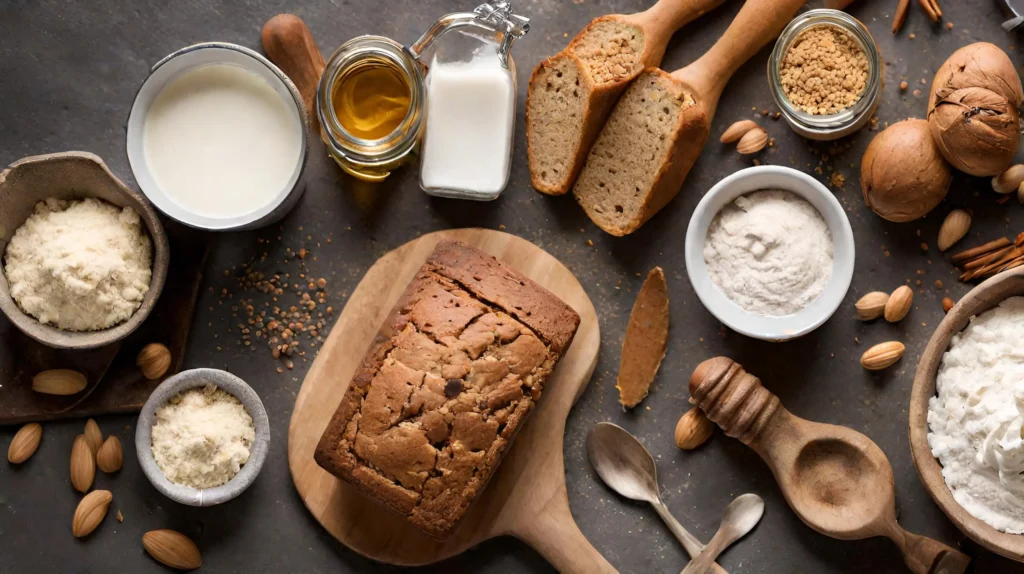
<point>643,153</point>
<point>572,93</point>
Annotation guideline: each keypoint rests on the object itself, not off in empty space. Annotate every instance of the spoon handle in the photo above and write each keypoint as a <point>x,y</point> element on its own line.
<point>703,562</point>
<point>690,543</point>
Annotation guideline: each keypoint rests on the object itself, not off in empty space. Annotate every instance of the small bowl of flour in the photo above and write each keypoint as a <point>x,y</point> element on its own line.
<point>84,257</point>
<point>770,252</point>
<point>202,437</point>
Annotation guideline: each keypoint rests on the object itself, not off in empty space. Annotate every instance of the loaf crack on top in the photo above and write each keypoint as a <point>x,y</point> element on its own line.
<point>440,396</point>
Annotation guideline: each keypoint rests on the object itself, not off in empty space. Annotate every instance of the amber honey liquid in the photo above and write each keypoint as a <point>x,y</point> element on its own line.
<point>371,100</point>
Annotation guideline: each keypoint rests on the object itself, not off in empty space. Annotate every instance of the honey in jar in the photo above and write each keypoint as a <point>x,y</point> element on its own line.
<point>371,100</point>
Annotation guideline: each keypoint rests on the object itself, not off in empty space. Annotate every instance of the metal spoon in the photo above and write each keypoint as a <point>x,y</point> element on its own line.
<point>627,468</point>
<point>741,516</point>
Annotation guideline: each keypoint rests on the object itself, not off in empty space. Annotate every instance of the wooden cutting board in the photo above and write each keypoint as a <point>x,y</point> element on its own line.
<point>526,498</point>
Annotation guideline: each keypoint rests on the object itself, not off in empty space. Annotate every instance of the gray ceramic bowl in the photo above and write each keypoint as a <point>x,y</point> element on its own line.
<point>184,381</point>
<point>73,175</point>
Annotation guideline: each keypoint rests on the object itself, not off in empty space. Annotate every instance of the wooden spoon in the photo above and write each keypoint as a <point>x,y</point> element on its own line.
<point>698,86</point>
<point>836,480</point>
<point>655,27</point>
<point>289,44</point>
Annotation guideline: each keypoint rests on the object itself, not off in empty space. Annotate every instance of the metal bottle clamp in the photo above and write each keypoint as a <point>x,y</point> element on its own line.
<point>496,17</point>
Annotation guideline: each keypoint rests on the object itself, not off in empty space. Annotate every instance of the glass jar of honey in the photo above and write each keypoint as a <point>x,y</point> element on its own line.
<point>372,96</point>
<point>370,106</point>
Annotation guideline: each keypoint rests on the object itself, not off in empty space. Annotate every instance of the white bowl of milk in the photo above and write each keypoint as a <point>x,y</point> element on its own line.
<point>217,138</point>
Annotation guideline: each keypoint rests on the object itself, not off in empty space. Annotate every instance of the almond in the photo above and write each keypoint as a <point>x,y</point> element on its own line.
<point>899,304</point>
<point>948,304</point>
<point>737,130</point>
<point>154,359</point>
<point>93,436</point>
<point>25,443</point>
<point>59,382</point>
<point>752,141</point>
<point>954,228</point>
<point>90,512</point>
<point>1009,181</point>
<point>882,356</point>
<point>693,429</point>
<point>110,456</point>
<point>172,549</point>
<point>83,465</point>
<point>872,305</point>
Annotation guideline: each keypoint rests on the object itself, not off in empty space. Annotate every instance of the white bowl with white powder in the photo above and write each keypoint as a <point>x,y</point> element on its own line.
<point>770,252</point>
<point>200,438</point>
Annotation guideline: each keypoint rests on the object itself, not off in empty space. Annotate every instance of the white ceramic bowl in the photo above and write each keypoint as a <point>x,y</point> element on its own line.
<point>184,381</point>
<point>190,58</point>
<point>735,317</point>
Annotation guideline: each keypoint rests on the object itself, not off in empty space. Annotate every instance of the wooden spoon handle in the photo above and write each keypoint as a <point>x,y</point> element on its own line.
<point>733,398</point>
<point>756,24</point>
<point>926,556</point>
<point>667,16</point>
<point>554,534</point>
<point>289,44</point>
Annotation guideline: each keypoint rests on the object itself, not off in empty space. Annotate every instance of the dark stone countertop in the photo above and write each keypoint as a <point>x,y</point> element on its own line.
<point>68,73</point>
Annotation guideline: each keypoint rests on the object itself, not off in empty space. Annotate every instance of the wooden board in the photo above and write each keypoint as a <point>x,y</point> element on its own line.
<point>527,496</point>
<point>115,383</point>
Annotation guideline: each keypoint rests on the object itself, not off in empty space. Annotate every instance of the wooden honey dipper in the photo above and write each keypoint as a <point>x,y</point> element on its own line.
<point>836,479</point>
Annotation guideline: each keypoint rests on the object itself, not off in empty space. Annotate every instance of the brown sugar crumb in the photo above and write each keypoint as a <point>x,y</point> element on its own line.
<point>824,70</point>
<point>903,86</point>
<point>938,284</point>
<point>837,180</point>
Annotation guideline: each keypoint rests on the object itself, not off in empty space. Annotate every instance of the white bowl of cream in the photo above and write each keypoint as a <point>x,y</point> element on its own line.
<point>217,138</point>
<point>770,253</point>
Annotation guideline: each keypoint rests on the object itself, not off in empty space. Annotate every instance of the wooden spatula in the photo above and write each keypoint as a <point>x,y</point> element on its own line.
<point>836,480</point>
<point>658,128</point>
<point>571,94</point>
<point>289,44</point>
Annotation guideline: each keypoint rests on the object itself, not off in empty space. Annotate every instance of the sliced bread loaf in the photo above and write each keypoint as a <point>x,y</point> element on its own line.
<point>572,93</point>
<point>637,163</point>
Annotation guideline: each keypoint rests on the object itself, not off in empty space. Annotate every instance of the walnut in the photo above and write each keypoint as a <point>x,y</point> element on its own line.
<point>902,174</point>
<point>972,109</point>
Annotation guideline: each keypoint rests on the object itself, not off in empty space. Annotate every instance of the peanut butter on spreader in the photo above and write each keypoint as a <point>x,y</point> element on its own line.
<point>645,341</point>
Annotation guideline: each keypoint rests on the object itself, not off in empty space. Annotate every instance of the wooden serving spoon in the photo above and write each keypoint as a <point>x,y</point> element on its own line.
<point>289,44</point>
<point>655,27</point>
<point>698,87</point>
<point>836,480</point>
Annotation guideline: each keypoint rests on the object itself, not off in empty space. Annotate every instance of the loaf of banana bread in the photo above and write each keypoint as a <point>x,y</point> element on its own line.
<point>453,372</point>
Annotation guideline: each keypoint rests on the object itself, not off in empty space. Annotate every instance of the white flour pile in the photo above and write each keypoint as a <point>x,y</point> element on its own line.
<point>975,419</point>
<point>202,437</point>
<point>770,252</point>
<point>79,265</point>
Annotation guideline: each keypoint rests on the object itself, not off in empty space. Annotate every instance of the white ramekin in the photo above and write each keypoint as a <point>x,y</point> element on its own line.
<point>171,67</point>
<point>732,315</point>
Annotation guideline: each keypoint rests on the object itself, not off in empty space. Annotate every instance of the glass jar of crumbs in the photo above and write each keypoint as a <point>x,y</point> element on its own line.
<point>372,97</point>
<point>826,74</point>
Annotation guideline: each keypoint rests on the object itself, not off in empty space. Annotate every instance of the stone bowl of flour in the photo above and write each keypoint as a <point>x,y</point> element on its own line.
<point>69,176</point>
<point>200,379</point>
<point>770,252</point>
<point>966,406</point>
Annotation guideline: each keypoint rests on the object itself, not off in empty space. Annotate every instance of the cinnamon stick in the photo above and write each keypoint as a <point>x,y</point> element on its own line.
<point>1012,265</point>
<point>900,16</point>
<point>931,8</point>
<point>1014,254</point>
<point>975,252</point>
<point>986,259</point>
